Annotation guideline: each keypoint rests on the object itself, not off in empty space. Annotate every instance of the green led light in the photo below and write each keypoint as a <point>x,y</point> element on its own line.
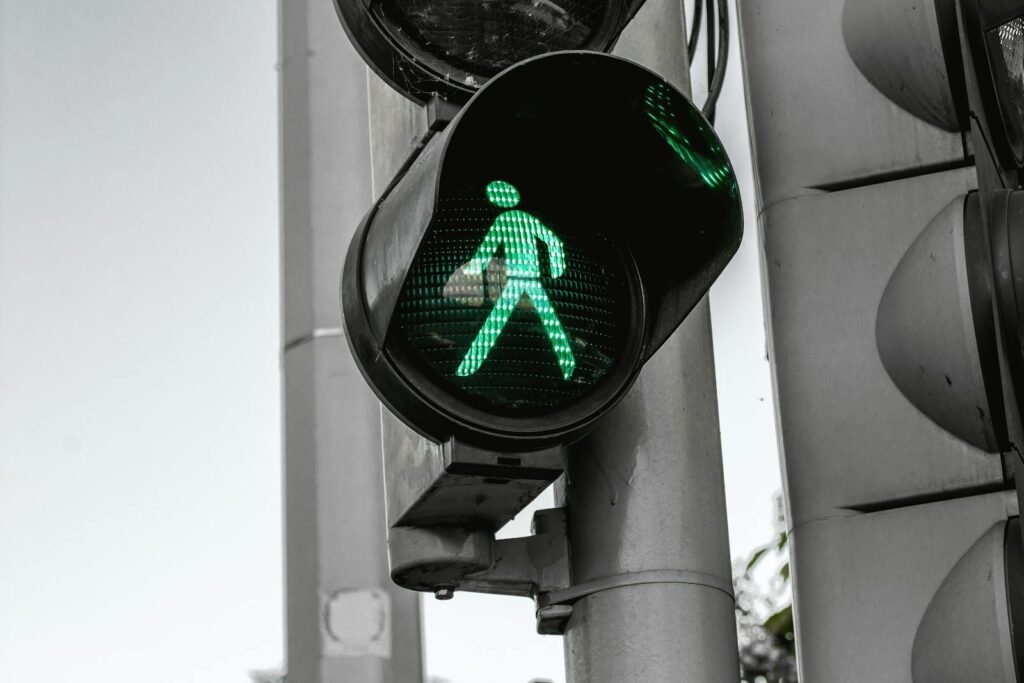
<point>659,109</point>
<point>503,194</point>
<point>517,232</point>
<point>509,307</point>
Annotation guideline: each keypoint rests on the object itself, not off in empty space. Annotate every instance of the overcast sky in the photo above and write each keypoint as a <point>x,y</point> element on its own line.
<point>139,355</point>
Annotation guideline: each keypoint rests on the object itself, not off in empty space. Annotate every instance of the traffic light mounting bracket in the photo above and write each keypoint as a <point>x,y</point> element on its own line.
<point>443,559</point>
<point>454,484</point>
<point>444,504</point>
<point>446,501</point>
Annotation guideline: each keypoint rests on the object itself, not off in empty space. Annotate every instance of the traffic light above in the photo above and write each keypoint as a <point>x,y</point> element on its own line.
<point>426,48</point>
<point>507,289</point>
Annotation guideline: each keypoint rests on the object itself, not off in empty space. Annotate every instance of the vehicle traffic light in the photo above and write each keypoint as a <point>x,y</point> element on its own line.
<point>981,43</point>
<point>508,288</point>
<point>884,140</point>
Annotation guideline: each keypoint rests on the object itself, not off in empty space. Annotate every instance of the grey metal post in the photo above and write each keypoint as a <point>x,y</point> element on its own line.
<point>346,620</point>
<point>645,495</point>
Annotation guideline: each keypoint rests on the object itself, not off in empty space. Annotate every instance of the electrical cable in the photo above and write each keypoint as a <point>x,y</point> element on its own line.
<point>716,77</point>
<point>691,44</point>
<point>710,44</point>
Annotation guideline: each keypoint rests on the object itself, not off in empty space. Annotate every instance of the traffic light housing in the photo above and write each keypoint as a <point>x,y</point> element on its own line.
<point>506,290</point>
<point>887,182</point>
<point>450,49</point>
<point>983,595</point>
<point>935,327</point>
<point>971,82</point>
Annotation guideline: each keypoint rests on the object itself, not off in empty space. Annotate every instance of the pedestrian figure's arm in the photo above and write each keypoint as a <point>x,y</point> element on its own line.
<point>556,253</point>
<point>485,253</point>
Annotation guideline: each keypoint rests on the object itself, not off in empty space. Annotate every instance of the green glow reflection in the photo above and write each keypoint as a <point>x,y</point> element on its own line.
<point>659,109</point>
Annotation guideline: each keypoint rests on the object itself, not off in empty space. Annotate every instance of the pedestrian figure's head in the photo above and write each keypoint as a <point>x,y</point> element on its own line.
<point>502,194</point>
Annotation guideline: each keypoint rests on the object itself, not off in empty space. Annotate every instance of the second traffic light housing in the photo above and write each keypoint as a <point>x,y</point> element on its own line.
<point>450,49</point>
<point>509,286</point>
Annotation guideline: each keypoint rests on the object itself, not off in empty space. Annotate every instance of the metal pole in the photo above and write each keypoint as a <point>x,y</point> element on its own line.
<point>645,495</point>
<point>346,620</point>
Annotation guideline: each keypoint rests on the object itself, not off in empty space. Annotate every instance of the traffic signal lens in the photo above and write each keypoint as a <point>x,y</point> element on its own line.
<point>485,37</point>
<point>510,311</point>
<point>1006,51</point>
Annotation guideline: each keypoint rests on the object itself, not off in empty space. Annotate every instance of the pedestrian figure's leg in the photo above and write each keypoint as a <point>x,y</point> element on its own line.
<point>489,333</point>
<point>552,325</point>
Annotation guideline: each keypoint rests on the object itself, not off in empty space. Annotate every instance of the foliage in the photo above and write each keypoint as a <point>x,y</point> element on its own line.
<point>268,676</point>
<point>764,611</point>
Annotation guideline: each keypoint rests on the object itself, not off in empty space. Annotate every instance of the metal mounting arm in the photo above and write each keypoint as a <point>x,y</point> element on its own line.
<point>443,559</point>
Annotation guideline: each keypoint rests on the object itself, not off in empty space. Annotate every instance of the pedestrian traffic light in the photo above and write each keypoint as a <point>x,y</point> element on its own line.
<point>892,269</point>
<point>450,49</point>
<point>508,287</point>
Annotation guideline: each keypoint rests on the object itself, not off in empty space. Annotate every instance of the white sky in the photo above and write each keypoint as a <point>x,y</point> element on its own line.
<point>139,329</point>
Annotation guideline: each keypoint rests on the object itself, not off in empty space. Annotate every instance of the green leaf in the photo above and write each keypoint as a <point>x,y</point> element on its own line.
<point>781,622</point>
<point>784,572</point>
<point>783,539</point>
<point>755,558</point>
<point>780,626</point>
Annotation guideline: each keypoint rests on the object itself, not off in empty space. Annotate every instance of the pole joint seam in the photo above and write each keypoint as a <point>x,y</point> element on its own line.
<point>580,591</point>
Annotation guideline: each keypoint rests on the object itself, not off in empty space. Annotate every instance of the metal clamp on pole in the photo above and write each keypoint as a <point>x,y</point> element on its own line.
<point>555,607</point>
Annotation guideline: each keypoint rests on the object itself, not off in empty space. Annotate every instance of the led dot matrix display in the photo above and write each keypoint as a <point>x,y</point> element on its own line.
<point>508,311</point>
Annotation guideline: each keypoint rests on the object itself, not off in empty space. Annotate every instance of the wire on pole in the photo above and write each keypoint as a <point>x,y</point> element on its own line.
<point>716,63</point>
<point>691,44</point>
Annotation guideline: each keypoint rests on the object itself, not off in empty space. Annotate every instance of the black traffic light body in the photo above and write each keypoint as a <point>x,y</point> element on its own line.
<point>449,49</point>
<point>507,289</point>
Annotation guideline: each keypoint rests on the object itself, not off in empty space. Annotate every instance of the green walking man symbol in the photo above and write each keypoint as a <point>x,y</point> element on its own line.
<point>518,231</point>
